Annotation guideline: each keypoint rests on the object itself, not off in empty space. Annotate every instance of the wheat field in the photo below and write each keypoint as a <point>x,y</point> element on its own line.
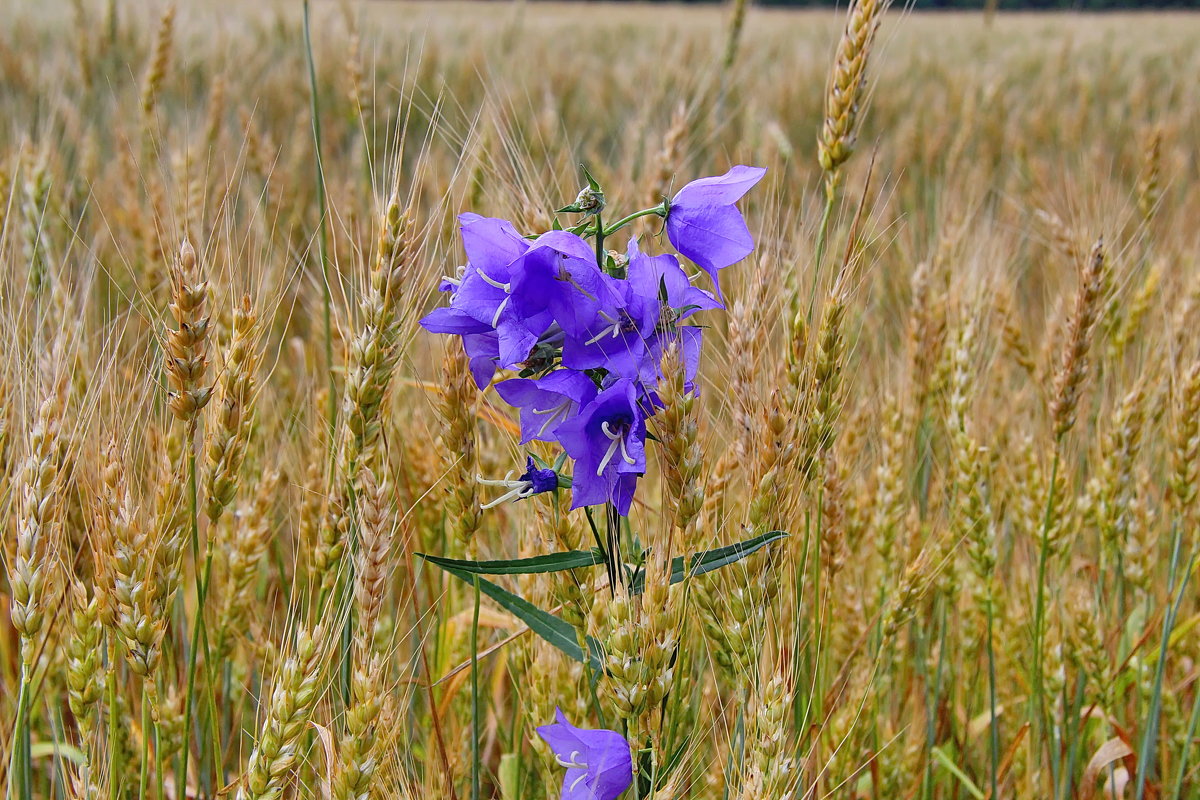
<point>960,371</point>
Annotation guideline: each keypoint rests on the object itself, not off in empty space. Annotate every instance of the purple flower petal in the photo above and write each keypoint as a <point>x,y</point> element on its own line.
<point>714,237</point>
<point>704,225</point>
<point>599,762</point>
<point>491,244</point>
<point>607,440</point>
<point>452,320</point>
<point>721,189</point>
<point>547,402</point>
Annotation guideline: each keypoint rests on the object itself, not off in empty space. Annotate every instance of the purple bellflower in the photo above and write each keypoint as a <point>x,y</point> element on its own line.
<point>704,224</point>
<point>547,402</point>
<point>618,335</point>
<point>533,481</point>
<point>558,276</point>
<point>649,276</point>
<point>480,302</point>
<point>607,439</point>
<point>599,763</point>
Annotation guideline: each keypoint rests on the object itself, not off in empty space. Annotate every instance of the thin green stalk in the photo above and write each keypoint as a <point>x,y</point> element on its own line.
<point>144,777</point>
<point>1193,723</point>
<point>322,238</point>
<point>188,701</point>
<point>19,756</point>
<point>159,773</point>
<point>822,241</point>
<point>475,766</point>
<point>199,628</point>
<point>933,691</point>
<point>1039,618</point>
<point>114,752</point>
<point>600,234</point>
<point>995,723</point>
<point>1150,729</point>
<point>660,209</point>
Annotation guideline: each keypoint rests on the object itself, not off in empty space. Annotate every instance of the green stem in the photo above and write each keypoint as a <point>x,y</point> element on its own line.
<point>1039,618</point>
<point>1150,729</point>
<point>475,766</point>
<point>144,778</point>
<point>660,210</point>
<point>1193,723</point>
<point>995,723</point>
<point>199,629</point>
<point>114,756</point>
<point>822,241</point>
<point>159,774</point>
<point>17,766</point>
<point>600,234</point>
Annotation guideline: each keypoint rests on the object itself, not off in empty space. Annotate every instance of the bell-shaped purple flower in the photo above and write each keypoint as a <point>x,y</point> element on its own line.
<point>558,277</point>
<point>607,439</point>
<point>704,224</point>
<point>547,402</point>
<point>481,298</point>
<point>599,762</point>
<point>649,276</point>
<point>618,335</point>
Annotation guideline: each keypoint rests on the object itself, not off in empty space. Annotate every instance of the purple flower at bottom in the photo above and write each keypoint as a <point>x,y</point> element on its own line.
<point>704,224</point>
<point>607,439</point>
<point>599,763</point>
<point>547,402</point>
<point>533,481</point>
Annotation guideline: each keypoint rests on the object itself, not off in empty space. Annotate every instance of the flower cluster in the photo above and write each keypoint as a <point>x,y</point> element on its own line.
<point>585,329</point>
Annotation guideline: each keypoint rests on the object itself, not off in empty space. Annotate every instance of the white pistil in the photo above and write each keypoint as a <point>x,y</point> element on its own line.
<point>617,443</point>
<point>612,329</point>
<point>517,489</point>
<point>555,413</point>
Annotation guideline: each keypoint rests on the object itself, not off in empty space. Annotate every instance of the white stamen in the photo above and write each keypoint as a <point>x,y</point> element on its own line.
<point>517,489</point>
<point>613,329</point>
<point>490,282</point>
<point>570,763</point>
<point>500,310</point>
<point>455,281</point>
<point>575,782</point>
<point>556,414</point>
<point>618,441</point>
<point>625,453</point>
<point>507,480</point>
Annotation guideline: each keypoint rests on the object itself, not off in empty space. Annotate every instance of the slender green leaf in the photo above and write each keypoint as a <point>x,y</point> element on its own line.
<point>940,756</point>
<point>554,630</point>
<point>551,562</point>
<point>711,560</point>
